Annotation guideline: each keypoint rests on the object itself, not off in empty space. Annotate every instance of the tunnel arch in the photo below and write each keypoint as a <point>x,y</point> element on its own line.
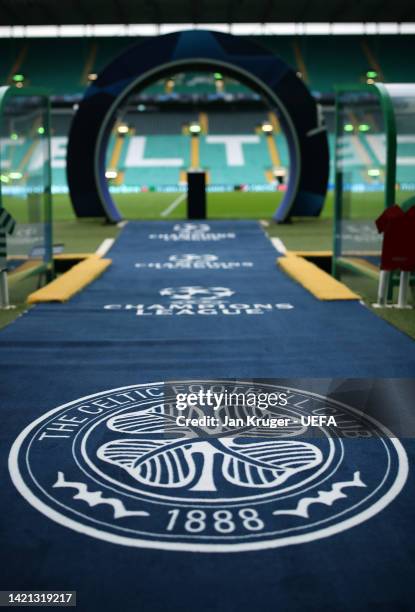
<point>148,61</point>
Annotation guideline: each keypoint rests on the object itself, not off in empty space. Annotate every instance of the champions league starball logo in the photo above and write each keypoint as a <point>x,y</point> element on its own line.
<point>196,293</point>
<point>190,258</point>
<point>191,227</point>
<point>117,466</point>
<point>192,232</point>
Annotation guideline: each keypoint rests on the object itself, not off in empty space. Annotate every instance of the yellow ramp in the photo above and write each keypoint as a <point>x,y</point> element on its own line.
<point>313,253</point>
<point>316,281</point>
<point>71,256</point>
<point>70,283</point>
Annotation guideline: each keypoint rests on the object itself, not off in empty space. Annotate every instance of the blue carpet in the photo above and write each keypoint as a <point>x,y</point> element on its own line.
<point>166,311</point>
<point>311,338</point>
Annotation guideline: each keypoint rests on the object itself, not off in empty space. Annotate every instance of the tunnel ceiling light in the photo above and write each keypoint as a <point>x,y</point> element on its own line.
<point>364,127</point>
<point>111,174</point>
<point>267,128</point>
<point>194,128</point>
<point>123,129</point>
<point>348,127</point>
<point>373,172</point>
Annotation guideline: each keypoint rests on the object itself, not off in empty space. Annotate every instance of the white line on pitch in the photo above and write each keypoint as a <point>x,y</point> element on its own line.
<point>173,205</point>
<point>104,247</point>
<point>279,245</point>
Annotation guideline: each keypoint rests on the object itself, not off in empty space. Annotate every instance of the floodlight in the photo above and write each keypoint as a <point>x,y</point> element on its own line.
<point>279,172</point>
<point>373,172</point>
<point>194,128</point>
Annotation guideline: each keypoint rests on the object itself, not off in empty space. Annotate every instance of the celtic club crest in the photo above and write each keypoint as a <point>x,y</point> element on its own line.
<point>120,466</point>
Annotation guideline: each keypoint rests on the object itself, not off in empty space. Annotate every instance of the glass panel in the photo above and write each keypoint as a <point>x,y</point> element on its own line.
<point>403,101</point>
<point>25,176</point>
<point>360,168</point>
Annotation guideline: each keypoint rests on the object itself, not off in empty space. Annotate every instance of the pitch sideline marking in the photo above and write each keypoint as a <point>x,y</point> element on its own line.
<point>279,245</point>
<point>104,247</point>
<point>173,205</point>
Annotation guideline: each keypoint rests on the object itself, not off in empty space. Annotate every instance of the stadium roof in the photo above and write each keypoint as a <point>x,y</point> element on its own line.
<point>66,12</point>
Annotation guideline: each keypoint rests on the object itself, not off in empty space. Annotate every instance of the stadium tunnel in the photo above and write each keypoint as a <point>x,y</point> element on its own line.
<point>144,63</point>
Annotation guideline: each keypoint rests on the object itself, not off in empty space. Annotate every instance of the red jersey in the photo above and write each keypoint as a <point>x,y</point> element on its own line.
<point>398,228</point>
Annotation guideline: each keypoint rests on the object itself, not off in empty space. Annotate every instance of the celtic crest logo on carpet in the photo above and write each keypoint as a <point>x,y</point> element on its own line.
<point>116,466</point>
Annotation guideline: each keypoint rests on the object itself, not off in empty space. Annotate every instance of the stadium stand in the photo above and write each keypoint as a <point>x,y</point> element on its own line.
<point>242,123</point>
<point>157,149</point>
<point>70,61</point>
<point>74,62</point>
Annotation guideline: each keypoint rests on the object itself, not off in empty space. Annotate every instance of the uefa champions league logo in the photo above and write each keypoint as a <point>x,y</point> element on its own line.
<point>192,232</point>
<point>116,466</point>
<point>197,293</point>
<point>191,227</point>
<point>189,259</point>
